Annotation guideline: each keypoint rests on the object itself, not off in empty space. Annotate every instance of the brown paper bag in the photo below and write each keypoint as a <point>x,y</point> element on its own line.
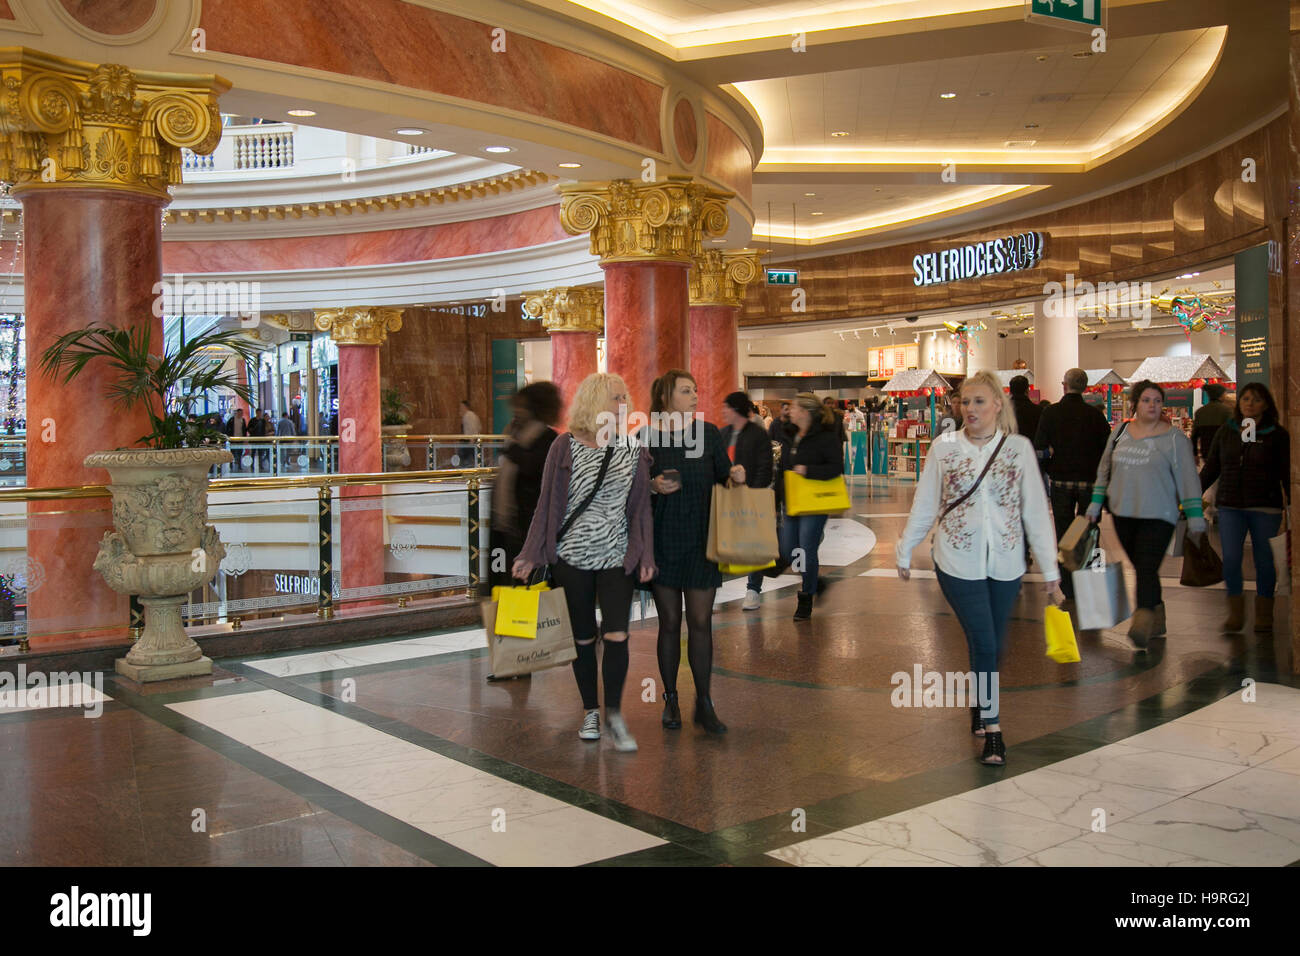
<point>742,526</point>
<point>552,646</point>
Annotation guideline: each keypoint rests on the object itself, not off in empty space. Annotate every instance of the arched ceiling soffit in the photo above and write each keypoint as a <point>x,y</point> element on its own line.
<point>1177,81</point>
<point>471,75</point>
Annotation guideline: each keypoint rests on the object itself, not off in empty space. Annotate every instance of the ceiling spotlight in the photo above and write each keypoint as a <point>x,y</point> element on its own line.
<point>947,96</point>
<point>875,333</point>
<point>1041,58</point>
<point>497,149</point>
<point>570,165</point>
<point>840,132</point>
<point>301,112</point>
<point>856,335</point>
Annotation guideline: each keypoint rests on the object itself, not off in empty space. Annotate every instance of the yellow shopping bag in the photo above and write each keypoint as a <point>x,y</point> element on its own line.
<point>804,496</point>
<point>1061,646</point>
<point>744,568</point>
<point>498,588</point>
<point>517,612</point>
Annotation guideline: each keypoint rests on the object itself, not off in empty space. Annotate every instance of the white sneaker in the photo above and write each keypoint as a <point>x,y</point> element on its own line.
<point>751,601</point>
<point>590,726</point>
<point>623,739</point>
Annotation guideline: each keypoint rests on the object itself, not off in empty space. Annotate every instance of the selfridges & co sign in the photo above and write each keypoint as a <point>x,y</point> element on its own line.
<point>1008,254</point>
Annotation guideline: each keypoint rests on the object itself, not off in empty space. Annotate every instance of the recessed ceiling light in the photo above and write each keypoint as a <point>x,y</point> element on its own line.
<point>1082,54</point>
<point>947,96</point>
<point>1041,58</point>
<point>717,240</point>
<point>817,214</point>
<point>811,195</point>
<point>840,132</point>
<point>570,165</point>
<point>410,131</point>
<point>302,112</point>
<point>497,149</point>
<point>984,93</point>
<point>1031,126</point>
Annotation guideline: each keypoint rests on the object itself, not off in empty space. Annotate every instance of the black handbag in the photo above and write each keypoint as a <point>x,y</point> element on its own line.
<point>1202,566</point>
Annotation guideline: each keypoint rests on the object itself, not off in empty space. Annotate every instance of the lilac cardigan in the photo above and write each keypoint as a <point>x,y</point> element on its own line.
<point>540,547</point>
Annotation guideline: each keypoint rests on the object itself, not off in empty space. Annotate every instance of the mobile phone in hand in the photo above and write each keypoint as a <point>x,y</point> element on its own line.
<point>672,474</point>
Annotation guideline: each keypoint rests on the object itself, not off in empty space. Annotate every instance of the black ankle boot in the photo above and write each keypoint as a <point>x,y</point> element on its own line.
<point>804,611</point>
<point>706,717</point>
<point>672,715</point>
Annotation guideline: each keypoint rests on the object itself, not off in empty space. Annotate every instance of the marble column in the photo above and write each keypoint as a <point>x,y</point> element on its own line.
<point>359,331</point>
<point>1291,315</point>
<point>646,235</point>
<point>91,151</point>
<point>717,282</point>
<point>1056,346</point>
<point>573,317</point>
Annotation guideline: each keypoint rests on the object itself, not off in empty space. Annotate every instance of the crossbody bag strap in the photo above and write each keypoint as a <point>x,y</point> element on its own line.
<point>600,477</point>
<point>971,490</point>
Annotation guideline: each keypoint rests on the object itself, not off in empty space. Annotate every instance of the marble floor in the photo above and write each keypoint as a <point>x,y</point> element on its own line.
<point>399,753</point>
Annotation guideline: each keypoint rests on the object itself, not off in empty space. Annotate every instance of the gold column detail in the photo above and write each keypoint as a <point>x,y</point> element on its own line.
<point>719,277</point>
<point>575,309</point>
<point>70,123</point>
<point>359,324</point>
<point>638,222</point>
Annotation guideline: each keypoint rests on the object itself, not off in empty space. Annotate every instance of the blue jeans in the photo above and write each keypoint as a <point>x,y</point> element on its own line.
<point>983,608</point>
<point>1234,523</point>
<point>805,533</point>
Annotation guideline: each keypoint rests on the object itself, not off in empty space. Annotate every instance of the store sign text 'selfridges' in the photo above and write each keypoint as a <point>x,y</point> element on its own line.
<point>1008,254</point>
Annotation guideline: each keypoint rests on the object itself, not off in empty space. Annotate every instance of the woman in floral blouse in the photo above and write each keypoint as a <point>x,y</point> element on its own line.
<point>979,546</point>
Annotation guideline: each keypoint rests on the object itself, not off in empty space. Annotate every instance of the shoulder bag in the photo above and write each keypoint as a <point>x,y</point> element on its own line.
<point>600,478</point>
<point>971,490</point>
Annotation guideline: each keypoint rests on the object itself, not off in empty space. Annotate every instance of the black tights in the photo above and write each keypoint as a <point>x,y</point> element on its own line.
<point>615,671</point>
<point>699,635</point>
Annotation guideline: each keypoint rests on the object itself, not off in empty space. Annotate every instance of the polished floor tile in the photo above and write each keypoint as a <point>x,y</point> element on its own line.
<point>1067,798</point>
<point>1225,834</point>
<point>1105,849</point>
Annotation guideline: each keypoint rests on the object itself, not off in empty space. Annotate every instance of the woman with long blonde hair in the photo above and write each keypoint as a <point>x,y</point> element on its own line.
<point>593,527</point>
<point>981,485</point>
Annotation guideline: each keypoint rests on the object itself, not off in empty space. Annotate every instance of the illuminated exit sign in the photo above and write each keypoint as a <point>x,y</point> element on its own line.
<point>782,277</point>
<point>1071,14</point>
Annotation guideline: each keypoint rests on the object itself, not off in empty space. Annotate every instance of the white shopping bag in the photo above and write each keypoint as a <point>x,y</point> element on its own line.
<point>1100,597</point>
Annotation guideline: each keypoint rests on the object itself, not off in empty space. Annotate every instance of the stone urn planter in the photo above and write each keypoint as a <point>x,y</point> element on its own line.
<point>162,550</point>
<point>396,453</point>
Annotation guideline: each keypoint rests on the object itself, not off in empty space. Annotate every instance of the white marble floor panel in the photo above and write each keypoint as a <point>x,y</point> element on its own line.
<point>496,820</point>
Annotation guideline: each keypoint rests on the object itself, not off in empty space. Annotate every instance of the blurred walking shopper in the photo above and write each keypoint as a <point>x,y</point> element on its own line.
<point>593,526</point>
<point>1210,417</point>
<point>1254,473</point>
<point>529,437</point>
<point>747,445</point>
<point>983,488</point>
<point>1146,473</point>
<point>1027,413</point>
<point>688,459</point>
<point>813,451</point>
<point>1070,441</point>
<point>470,424</point>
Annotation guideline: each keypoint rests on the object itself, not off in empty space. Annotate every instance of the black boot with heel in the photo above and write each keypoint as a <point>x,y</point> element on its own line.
<point>672,714</point>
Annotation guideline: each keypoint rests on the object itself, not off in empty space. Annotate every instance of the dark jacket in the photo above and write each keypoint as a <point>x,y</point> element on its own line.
<point>1027,416</point>
<point>780,431</point>
<point>1250,474</point>
<point>531,462</point>
<point>754,452</point>
<point>256,427</point>
<point>819,450</point>
<point>1209,418</point>
<point>1071,439</point>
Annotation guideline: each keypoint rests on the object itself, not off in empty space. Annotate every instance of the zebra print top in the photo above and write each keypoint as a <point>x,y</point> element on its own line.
<point>598,539</point>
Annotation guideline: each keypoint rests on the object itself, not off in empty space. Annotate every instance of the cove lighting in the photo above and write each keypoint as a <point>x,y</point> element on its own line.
<point>497,149</point>
<point>302,112</point>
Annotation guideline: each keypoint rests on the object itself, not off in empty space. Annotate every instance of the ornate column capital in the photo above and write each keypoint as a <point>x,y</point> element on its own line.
<point>359,324</point>
<point>573,309</point>
<point>70,123</point>
<point>632,221</point>
<point>719,276</point>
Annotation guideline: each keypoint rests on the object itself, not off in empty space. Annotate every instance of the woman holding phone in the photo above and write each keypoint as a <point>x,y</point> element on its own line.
<point>688,458</point>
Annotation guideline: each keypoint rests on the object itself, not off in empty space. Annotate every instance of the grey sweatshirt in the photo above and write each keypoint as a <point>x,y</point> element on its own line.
<point>1149,478</point>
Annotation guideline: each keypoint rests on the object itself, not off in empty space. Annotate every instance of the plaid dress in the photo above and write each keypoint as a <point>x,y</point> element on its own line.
<point>681,520</point>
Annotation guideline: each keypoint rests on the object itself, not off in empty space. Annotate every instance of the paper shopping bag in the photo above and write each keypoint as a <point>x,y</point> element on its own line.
<point>1281,548</point>
<point>1061,646</point>
<point>1100,597</point>
<point>1179,541</point>
<point>1075,547</point>
<point>804,496</point>
<point>550,646</point>
<point>742,526</point>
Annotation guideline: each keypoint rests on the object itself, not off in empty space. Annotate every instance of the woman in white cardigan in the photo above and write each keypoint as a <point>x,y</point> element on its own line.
<point>982,485</point>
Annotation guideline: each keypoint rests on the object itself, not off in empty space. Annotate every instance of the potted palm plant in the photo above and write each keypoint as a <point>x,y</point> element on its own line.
<point>163,547</point>
<point>394,416</point>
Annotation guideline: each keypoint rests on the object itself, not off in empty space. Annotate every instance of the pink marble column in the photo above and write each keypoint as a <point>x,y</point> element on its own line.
<point>93,257</point>
<point>361,451</point>
<point>714,361</point>
<point>646,323</point>
<point>573,358</point>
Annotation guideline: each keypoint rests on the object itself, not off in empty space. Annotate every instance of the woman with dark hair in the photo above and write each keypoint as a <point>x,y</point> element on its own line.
<point>519,472</point>
<point>814,451</point>
<point>747,445</point>
<point>1250,455</point>
<point>687,459</point>
<point>1147,473</point>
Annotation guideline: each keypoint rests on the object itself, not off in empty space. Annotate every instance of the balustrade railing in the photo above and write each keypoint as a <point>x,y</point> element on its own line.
<point>319,454</point>
<point>272,150</point>
<point>198,162</point>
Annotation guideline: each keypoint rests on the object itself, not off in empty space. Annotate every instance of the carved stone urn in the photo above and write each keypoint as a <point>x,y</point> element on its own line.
<point>396,453</point>
<point>162,550</point>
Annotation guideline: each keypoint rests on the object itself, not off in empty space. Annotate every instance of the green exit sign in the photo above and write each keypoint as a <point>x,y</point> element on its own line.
<point>299,336</point>
<point>1073,14</point>
<point>782,277</point>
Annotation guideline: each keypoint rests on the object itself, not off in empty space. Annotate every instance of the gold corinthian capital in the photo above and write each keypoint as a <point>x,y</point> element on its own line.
<point>574,309</point>
<point>69,123</point>
<point>360,324</point>
<point>637,222</point>
<point>719,277</point>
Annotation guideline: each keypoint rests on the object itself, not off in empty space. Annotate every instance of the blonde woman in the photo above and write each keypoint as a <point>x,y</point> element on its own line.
<point>982,486</point>
<point>593,527</point>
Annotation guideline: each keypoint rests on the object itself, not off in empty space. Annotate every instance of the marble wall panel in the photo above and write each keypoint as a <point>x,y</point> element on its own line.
<point>113,17</point>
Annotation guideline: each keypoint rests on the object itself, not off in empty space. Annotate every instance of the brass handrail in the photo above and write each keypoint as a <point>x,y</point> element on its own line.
<point>237,484</point>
